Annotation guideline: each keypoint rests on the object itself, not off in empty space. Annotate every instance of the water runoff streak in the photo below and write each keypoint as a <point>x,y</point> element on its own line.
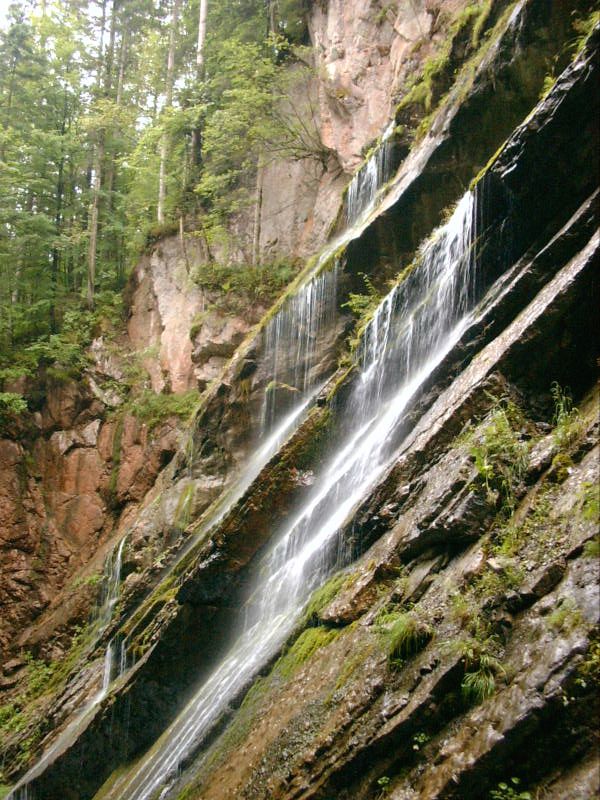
<point>368,180</point>
<point>111,586</point>
<point>413,329</point>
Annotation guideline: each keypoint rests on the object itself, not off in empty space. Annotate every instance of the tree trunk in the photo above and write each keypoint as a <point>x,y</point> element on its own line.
<point>164,145</point>
<point>257,213</point>
<point>94,212</point>
<point>197,131</point>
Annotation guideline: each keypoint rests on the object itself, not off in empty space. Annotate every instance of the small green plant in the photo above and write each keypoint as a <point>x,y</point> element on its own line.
<point>509,791</point>
<point>419,740</point>
<point>362,306</point>
<point>479,683</point>
<point>568,425</point>
<point>384,784</point>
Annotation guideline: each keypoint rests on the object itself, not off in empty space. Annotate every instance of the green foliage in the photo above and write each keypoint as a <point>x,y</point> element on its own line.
<point>591,548</point>
<point>11,405</point>
<point>362,306</point>
<point>309,641</point>
<point>437,69</point>
<point>509,791</point>
<point>568,425</point>
<point>152,408</point>
<point>583,27</point>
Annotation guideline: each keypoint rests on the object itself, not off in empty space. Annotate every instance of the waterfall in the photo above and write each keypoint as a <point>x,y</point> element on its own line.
<point>110,594</point>
<point>410,333</point>
<point>369,178</point>
<point>293,340</point>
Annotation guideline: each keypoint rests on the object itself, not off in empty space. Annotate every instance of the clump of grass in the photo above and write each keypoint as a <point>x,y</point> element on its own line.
<point>482,667</point>
<point>404,635</point>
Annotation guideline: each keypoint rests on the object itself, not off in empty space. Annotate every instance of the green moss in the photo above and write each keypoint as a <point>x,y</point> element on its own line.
<point>183,512</point>
<point>437,69</point>
<point>590,502</point>
<point>566,616</point>
<point>323,596</point>
<point>305,646</point>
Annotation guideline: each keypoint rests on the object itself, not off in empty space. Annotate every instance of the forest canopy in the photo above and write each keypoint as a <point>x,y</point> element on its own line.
<point>123,120</point>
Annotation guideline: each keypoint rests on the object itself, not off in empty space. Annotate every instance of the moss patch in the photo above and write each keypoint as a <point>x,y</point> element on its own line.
<point>305,646</point>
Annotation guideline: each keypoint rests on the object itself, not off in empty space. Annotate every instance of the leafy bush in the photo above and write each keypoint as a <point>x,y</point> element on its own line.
<point>11,405</point>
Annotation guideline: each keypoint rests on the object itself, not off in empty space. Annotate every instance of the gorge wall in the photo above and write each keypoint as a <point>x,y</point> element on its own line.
<point>368,566</point>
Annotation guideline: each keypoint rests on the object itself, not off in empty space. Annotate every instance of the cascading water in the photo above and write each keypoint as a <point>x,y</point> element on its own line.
<point>110,594</point>
<point>293,341</point>
<point>413,329</point>
<point>365,184</point>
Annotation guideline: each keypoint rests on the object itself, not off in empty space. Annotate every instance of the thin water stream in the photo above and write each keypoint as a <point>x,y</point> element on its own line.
<point>109,598</point>
<point>411,332</point>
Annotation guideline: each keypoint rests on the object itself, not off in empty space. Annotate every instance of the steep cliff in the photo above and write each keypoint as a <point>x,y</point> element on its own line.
<point>368,566</point>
